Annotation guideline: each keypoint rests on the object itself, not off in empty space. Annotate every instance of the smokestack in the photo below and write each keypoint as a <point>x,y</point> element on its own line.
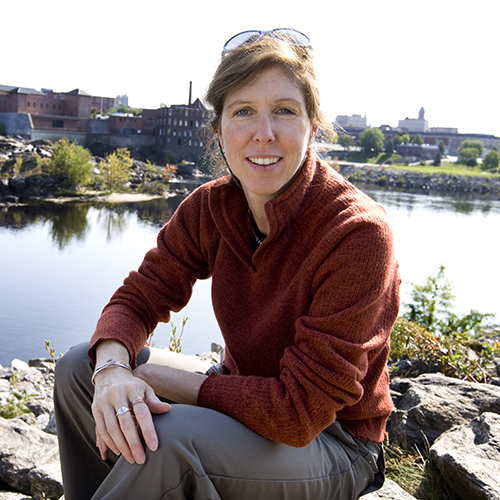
<point>190,91</point>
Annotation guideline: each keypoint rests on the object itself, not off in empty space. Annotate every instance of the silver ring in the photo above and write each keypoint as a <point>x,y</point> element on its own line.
<point>122,410</point>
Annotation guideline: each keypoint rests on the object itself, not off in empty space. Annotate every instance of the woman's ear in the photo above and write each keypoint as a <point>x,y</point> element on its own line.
<point>219,137</point>
<point>312,135</point>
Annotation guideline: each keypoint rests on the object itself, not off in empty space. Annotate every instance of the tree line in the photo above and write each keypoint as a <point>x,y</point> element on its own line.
<point>372,140</point>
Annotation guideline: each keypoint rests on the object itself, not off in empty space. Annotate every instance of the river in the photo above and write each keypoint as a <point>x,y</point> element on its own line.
<point>60,263</point>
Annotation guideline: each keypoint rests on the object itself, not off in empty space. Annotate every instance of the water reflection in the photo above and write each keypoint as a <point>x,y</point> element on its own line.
<point>460,203</point>
<point>70,222</point>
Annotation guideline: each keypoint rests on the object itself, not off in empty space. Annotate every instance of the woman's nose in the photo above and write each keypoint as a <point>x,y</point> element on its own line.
<point>264,131</point>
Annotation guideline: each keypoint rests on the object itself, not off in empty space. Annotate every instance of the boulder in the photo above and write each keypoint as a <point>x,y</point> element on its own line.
<point>469,457</point>
<point>389,491</point>
<point>10,495</point>
<point>431,404</point>
<point>24,448</point>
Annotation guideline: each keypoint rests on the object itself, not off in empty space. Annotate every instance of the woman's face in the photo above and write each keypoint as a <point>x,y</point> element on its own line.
<point>265,132</point>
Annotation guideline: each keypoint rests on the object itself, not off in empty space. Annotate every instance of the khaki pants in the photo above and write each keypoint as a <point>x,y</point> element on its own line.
<point>203,454</point>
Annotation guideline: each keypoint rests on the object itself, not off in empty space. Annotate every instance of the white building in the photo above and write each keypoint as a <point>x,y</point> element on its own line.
<point>415,125</point>
<point>352,122</point>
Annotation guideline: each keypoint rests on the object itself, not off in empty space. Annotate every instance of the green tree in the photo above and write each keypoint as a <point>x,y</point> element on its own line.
<point>468,156</point>
<point>346,141</point>
<point>115,169</point>
<point>442,148</point>
<point>478,145</point>
<point>417,140</point>
<point>72,163</point>
<point>432,305</point>
<point>492,160</point>
<point>372,139</point>
<point>389,147</point>
<point>437,159</point>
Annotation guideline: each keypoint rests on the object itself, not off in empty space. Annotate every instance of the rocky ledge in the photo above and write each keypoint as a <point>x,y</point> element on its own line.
<point>458,420</point>
<point>408,181</point>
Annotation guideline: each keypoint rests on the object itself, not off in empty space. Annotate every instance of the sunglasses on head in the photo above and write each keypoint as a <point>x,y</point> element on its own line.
<point>287,35</point>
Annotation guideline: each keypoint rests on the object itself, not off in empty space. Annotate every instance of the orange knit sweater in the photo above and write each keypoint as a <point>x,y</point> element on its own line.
<point>306,317</point>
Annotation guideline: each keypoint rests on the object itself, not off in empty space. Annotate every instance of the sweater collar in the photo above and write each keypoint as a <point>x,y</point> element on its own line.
<point>229,208</point>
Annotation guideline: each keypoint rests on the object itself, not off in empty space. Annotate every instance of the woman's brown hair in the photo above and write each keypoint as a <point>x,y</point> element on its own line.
<point>241,66</point>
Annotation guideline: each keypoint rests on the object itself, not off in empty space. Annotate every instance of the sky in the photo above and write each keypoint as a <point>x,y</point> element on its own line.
<point>384,59</point>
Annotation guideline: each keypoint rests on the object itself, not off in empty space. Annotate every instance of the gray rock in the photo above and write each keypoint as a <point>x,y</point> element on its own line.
<point>429,405</point>
<point>24,447</point>
<point>10,495</point>
<point>390,491</point>
<point>46,481</point>
<point>469,458</point>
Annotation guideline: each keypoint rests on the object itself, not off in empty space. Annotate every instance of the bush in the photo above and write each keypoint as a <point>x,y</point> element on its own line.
<point>492,160</point>
<point>432,305</point>
<point>456,355</point>
<point>72,163</point>
<point>468,157</point>
<point>115,169</point>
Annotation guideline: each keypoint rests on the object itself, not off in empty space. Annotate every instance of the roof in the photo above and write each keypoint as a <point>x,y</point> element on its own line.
<point>20,90</point>
<point>78,92</point>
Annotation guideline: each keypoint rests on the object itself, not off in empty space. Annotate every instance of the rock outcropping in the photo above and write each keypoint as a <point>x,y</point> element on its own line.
<point>459,420</point>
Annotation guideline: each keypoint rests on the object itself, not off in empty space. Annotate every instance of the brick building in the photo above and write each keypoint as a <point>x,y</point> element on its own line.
<point>49,110</point>
<point>180,128</point>
<point>103,103</point>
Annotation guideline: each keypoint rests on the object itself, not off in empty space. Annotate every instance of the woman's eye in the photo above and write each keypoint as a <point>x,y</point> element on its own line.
<point>285,111</point>
<point>242,112</point>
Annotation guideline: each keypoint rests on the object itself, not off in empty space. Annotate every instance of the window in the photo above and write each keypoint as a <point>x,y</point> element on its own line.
<point>54,106</point>
<point>28,104</point>
<point>34,104</point>
<point>58,123</point>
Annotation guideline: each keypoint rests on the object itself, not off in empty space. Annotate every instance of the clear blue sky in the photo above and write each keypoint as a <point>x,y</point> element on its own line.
<point>385,58</point>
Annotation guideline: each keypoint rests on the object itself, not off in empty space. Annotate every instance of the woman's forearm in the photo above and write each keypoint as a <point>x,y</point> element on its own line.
<point>171,383</point>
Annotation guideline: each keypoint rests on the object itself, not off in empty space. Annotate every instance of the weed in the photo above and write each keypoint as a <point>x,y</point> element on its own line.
<point>175,342</point>
<point>15,404</point>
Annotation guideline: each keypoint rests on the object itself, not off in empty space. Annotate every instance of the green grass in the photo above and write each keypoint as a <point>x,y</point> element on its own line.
<point>446,168</point>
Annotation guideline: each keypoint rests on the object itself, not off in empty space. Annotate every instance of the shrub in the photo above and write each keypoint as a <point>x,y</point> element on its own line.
<point>72,163</point>
<point>115,169</point>
<point>432,305</point>
<point>492,160</point>
<point>456,355</point>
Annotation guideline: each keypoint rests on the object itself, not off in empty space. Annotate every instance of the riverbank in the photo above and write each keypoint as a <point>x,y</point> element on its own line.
<point>25,183</point>
<point>392,178</point>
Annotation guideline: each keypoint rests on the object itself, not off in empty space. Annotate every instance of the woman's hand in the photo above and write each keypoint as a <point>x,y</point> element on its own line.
<point>118,388</point>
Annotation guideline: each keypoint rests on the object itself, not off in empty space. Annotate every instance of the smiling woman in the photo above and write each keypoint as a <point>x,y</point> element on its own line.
<point>265,132</point>
<point>305,288</point>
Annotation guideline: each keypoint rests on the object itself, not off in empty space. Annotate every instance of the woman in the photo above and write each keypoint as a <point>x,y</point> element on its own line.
<point>305,288</point>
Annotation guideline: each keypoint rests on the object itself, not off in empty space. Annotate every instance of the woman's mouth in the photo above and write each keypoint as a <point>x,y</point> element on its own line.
<point>265,161</point>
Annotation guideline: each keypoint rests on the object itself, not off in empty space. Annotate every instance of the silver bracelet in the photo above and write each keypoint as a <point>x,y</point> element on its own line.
<point>109,362</point>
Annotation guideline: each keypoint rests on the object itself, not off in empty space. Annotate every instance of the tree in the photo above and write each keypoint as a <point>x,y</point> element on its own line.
<point>72,163</point>
<point>437,159</point>
<point>389,147</point>
<point>442,148</point>
<point>472,144</point>
<point>418,140</point>
<point>492,160</point>
<point>432,308</point>
<point>115,169</point>
<point>468,156</point>
<point>372,139</point>
<point>346,141</point>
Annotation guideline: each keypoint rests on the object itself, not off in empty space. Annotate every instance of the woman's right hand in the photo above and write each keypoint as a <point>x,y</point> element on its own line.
<point>116,387</point>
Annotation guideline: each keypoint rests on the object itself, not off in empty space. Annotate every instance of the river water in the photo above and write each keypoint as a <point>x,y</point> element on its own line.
<point>60,263</point>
